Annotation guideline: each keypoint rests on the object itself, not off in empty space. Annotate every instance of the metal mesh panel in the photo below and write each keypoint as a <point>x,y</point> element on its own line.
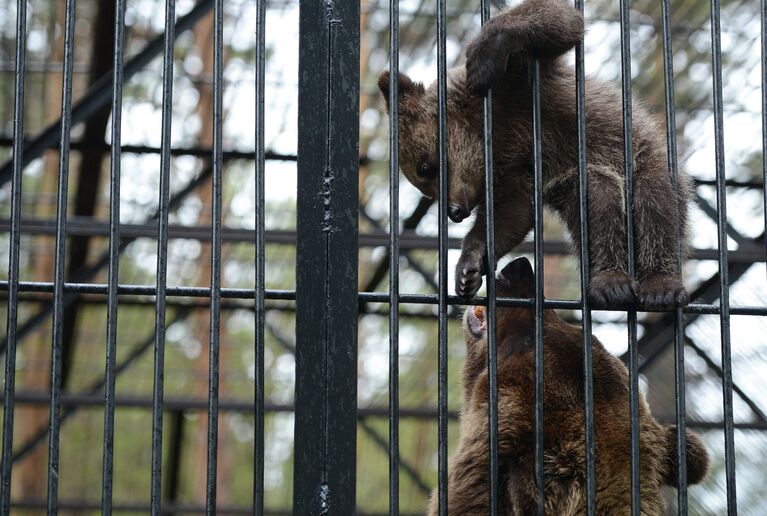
<point>183,240</point>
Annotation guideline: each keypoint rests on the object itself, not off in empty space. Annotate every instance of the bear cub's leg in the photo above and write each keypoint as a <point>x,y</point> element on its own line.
<point>610,285</point>
<point>660,236</point>
<point>511,205</point>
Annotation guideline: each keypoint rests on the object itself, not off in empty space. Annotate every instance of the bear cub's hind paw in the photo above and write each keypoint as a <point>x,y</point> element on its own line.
<point>468,275</point>
<point>486,59</point>
<point>662,292</point>
<point>612,290</point>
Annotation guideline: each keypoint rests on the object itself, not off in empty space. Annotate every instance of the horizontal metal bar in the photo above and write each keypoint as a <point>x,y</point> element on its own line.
<point>197,304</point>
<point>90,227</point>
<point>198,152</point>
<point>89,506</point>
<point>232,154</point>
<point>96,401</point>
<point>200,304</point>
<point>409,240</point>
<point>730,183</point>
<point>370,297</point>
<point>81,506</point>
<point>144,290</point>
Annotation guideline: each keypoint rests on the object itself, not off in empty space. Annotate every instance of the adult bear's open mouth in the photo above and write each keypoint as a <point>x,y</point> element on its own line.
<point>476,320</point>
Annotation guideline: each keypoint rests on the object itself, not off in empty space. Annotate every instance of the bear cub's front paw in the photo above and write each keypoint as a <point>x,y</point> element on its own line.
<point>468,275</point>
<point>486,59</point>
<point>612,289</point>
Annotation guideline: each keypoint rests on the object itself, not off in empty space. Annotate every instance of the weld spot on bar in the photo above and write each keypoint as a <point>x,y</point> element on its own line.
<point>324,498</point>
<point>329,14</point>
<point>327,207</point>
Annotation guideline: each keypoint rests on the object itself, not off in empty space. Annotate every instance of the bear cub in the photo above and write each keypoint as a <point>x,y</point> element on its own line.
<point>500,56</point>
<point>564,453</point>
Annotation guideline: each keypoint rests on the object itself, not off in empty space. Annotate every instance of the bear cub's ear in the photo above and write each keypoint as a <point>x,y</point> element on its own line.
<point>406,87</point>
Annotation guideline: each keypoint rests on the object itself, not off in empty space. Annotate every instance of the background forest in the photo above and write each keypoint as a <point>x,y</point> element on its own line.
<point>186,370</point>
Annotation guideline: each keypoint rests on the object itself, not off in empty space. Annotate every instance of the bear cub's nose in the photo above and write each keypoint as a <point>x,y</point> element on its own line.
<point>456,213</point>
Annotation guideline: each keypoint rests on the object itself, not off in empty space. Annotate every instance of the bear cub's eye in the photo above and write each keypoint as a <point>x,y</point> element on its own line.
<point>427,170</point>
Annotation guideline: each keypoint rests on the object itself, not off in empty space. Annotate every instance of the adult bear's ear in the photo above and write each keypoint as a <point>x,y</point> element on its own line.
<point>697,457</point>
<point>406,86</point>
<point>517,278</point>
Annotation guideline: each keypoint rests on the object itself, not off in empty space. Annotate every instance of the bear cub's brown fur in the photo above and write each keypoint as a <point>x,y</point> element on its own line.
<point>500,57</point>
<point>564,456</point>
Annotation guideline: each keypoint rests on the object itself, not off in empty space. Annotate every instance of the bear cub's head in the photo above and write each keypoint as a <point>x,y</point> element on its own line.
<point>418,139</point>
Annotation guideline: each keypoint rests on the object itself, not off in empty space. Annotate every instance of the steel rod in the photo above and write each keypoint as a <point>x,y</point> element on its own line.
<point>724,284</point>
<point>679,378</point>
<point>162,260</point>
<point>215,257</point>
<point>370,297</point>
<point>259,294</point>
<point>442,295</point>
<point>13,258</point>
<point>394,256</point>
<point>114,261</point>
<point>628,160</point>
<point>490,313</point>
<point>60,259</point>
<point>540,476</point>
<point>585,272</point>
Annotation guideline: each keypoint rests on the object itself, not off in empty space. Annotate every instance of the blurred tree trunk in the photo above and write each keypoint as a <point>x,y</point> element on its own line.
<point>201,320</point>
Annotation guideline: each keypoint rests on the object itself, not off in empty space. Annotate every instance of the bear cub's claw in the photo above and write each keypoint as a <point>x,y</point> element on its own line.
<point>662,292</point>
<point>486,59</point>
<point>612,290</point>
<point>468,276</point>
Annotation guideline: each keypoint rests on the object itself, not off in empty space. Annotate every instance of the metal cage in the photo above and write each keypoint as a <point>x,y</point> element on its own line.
<point>328,299</point>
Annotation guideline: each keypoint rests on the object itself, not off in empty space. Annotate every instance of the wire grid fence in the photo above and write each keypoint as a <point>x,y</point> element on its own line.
<point>332,406</point>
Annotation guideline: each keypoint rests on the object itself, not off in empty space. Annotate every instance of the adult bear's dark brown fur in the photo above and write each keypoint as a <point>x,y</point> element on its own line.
<point>500,56</point>
<point>468,487</point>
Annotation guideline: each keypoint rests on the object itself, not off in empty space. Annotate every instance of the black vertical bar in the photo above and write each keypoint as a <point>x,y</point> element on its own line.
<point>583,200</point>
<point>492,348</point>
<point>60,258</point>
<point>162,258</point>
<point>764,112</point>
<point>258,438</point>
<point>394,259</point>
<point>679,383</point>
<point>326,271</point>
<point>724,282</point>
<point>442,266</point>
<point>114,261</point>
<point>538,258</point>
<point>215,257</point>
<point>628,161</point>
<point>13,259</point>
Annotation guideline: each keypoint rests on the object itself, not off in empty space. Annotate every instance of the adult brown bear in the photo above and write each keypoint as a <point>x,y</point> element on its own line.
<point>564,448</point>
<point>500,56</point>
